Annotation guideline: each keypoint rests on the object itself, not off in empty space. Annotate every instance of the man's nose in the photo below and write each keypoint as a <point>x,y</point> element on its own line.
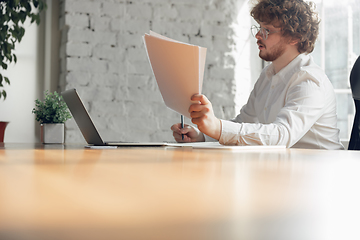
<point>259,35</point>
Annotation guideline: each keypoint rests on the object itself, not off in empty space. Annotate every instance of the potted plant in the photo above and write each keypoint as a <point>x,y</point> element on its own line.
<point>51,114</point>
<point>2,130</point>
<point>13,14</point>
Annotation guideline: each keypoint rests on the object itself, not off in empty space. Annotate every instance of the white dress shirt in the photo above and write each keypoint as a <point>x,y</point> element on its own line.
<point>295,107</point>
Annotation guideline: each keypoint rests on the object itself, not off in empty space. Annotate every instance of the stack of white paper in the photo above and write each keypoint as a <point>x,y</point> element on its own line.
<point>217,145</point>
<point>178,68</point>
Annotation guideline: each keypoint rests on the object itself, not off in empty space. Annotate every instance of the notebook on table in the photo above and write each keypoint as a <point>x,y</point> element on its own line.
<point>87,127</point>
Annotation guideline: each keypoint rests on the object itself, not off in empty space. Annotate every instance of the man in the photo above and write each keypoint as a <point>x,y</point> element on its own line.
<point>293,101</point>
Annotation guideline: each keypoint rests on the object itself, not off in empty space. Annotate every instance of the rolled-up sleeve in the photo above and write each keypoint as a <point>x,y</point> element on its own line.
<point>303,105</point>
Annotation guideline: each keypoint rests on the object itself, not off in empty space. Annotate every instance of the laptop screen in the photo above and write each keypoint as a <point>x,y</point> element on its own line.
<point>82,117</point>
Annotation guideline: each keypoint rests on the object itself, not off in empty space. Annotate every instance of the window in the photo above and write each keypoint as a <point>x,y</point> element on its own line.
<point>336,50</point>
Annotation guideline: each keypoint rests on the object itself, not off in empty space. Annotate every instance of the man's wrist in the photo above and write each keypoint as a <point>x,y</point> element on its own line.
<point>218,130</point>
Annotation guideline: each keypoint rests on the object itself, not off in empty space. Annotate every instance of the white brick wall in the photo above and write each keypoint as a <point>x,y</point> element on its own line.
<point>103,57</point>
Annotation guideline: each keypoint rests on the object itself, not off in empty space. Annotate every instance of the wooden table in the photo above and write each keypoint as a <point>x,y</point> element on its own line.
<point>69,192</point>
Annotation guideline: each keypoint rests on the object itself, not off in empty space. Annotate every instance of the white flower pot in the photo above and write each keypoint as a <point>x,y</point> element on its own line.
<point>52,133</point>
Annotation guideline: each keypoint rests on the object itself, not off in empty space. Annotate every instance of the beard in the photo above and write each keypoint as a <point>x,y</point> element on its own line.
<point>274,52</point>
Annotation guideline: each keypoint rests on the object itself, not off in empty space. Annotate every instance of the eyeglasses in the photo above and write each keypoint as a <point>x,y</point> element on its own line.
<point>263,32</point>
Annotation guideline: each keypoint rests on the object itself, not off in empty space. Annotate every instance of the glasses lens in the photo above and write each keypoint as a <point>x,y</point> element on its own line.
<point>264,33</point>
<point>255,30</point>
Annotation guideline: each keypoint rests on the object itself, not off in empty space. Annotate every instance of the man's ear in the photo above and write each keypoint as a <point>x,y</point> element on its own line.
<point>294,41</point>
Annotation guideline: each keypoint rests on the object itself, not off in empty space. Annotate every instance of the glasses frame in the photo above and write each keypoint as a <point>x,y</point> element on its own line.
<point>263,31</point>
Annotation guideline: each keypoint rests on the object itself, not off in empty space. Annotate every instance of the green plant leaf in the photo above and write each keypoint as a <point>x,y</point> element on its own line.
<point>22,16</point>
<point>52,110</point>
<point>13,13</point>
<point>14,17</point>
<point>37,17</point>
<point>22,32</point>
<point>4,65</point>
<point>3,93</point>
<point>36,3</point>
<point>15,58</point>
<point>9,57</point>
<point>27,6</point>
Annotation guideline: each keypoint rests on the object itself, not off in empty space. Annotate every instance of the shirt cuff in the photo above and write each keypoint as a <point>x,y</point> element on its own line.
<point>229,132</point>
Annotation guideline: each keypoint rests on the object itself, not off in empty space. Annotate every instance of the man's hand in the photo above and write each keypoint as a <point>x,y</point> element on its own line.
<point>190,133</point>
<point>202,115</point>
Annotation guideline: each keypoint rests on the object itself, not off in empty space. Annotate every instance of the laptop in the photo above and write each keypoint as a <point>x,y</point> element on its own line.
<point>87,127</point>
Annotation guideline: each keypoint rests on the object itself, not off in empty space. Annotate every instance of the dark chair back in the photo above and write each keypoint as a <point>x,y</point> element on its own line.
<point>354,143</point>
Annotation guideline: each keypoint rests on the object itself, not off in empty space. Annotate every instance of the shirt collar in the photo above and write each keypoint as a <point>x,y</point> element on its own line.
<point>286,72</point>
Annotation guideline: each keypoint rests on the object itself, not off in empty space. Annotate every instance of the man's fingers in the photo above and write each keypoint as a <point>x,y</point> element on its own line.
<point>199,114</point>
<point>199,108</point>
<point>201,98</point>
<point>186,129</point>
<point>176,128</point>
<point>179,137</point>
<point>197,121</point>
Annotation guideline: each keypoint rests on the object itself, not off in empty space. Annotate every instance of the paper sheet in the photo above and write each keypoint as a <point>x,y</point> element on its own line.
<point>178,69</point>
<point>217,145</point>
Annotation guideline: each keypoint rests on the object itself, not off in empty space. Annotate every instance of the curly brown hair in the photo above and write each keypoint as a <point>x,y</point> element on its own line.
<point>296,18</point>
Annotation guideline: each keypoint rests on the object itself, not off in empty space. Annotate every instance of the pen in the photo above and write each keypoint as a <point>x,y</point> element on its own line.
<point>182,126</point>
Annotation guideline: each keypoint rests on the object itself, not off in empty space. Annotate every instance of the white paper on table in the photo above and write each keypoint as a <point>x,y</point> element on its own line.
<point>217,145</point>
<point>178,69</point>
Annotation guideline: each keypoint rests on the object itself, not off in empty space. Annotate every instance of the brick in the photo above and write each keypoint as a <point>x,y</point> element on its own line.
<point>108,52</point>
<point>126,40</point>
<point>98,23</point>
<point>223,44</point>
<point>165,136</point>
<point>167,11</point>
<point>121,93</point>
<point>138,67</point>
<point>205,42</point>
<point>92,94</point>
<point>113,10</point>
<point>79,78</point>
<point>77,35</point>
<point>139,11</point>
<point>214,15</point>
<point>141,95</point>
<point>77,20</point>
<point>87,7</point>
<point>86,65</point>
<point>137,27</point>
<point>116,24</point>
<point>134,54</point>
<point>108,80</point>
<point>117,67</point>
<point>90,36</point>
<point>104,38</point>
<point>77,49</point>
<point>74,136</point>
<point>222,31</point>
<point>188,12</point>
<point>162,112</point>
<point>106,109</point>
